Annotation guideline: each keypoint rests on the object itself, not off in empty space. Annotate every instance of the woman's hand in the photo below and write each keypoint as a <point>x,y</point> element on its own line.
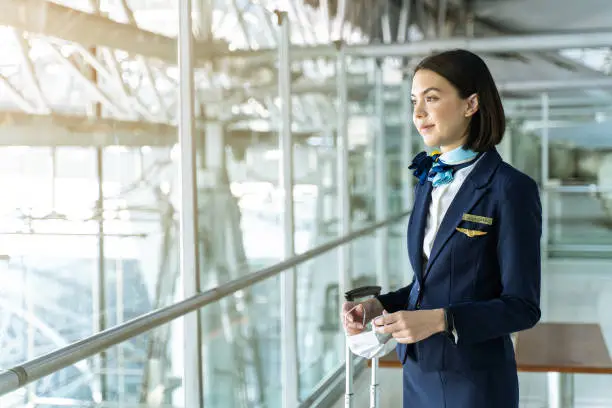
<point>411,326</point>
<point>353,314</point>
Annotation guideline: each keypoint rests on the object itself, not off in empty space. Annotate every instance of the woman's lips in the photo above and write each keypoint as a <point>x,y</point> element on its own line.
<point>426,128</point>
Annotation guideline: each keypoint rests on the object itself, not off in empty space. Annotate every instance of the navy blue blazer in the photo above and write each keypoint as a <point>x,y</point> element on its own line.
<point>484,268</point>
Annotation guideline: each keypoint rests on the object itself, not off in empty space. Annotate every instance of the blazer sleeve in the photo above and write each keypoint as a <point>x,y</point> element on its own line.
<point>397,300</point>
<point>518,251</point>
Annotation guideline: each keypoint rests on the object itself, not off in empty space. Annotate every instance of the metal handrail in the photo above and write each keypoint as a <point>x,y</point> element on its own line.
<point>18,376</point>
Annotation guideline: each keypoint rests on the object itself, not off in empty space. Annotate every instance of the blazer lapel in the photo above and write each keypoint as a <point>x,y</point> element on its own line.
<point>416,228</point>
<point>470,193</point>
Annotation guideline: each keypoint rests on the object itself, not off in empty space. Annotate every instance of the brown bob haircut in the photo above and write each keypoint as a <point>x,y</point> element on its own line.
<point>469,74</point>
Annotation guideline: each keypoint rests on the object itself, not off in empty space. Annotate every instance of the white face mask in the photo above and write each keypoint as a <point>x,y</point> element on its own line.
<point>370,344</point>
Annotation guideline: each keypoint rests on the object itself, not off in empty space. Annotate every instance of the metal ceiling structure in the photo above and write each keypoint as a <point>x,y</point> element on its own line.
<point>122,55</point>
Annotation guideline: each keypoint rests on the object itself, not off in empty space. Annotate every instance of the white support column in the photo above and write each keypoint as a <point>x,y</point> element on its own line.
<point>320,212</point>
<point>441,20</point>
<point>382,195</point>
<point>213,160</point>
<point>506,146</point>
<point>324,19</point>
<point>214,151</point>
<point>203,10</point>
<point>188,215</point>
<point>556,198</point>
<point>545,207</point>
<point>403,24</point>
<point>289,360</point>
<point>560,390</point>
<point>100,280</point>
<point>407,143</point>
<point>406,160</point>
<point>339,20</point>
<point>344,259</point>
<point>385,24</point>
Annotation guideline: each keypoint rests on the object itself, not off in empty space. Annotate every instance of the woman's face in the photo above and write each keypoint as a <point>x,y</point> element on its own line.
<point>440,115</point>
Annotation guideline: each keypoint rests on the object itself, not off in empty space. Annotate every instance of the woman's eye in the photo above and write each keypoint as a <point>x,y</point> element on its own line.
<point>431,99</point>
<point>413,102</point>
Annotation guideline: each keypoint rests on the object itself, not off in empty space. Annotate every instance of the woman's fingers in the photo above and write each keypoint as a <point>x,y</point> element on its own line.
<point>354,325</point>
<point>352,317</point>
<point>356,315</point>
<point>346,307</point>
<point>352,312</point>
<point>390,323</point>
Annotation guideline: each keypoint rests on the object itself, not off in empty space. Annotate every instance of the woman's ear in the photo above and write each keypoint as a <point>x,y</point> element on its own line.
<point>472,105</point>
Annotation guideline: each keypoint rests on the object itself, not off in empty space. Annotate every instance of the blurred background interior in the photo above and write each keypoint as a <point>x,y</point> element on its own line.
<point>135,175</point>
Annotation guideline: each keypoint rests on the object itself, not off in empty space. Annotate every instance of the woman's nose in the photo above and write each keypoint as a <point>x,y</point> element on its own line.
<point>419,112</point>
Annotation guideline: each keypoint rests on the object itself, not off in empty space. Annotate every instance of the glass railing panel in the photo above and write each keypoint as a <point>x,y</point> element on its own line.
<point>142,372</point>
<point>242,348</point>
<point>73,265</point>
<point>580,218</point>
<point>580,225</point>
<point>319,335</point>
<point>400,272</point>
<point>241,340</point>
<point>363,254</point>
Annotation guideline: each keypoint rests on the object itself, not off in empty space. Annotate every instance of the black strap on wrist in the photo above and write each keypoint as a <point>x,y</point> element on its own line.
<point>450,322</point>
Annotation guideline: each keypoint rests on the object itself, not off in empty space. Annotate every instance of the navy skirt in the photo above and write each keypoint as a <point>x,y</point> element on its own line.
<point>494,388</point>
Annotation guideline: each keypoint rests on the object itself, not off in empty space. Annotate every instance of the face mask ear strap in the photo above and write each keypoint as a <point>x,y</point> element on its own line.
<point>353,308</point>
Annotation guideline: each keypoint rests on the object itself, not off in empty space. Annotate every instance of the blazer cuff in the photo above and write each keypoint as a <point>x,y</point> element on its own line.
<point>391,303</point>
<point>387,300</point>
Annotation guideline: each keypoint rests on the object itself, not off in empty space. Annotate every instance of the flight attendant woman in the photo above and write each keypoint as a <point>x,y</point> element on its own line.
<point>473,243</point>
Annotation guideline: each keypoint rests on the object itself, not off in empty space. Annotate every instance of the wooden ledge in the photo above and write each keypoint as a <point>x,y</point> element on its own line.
<point>388,361</point>
<point>552,347</point>
<point>564,348</point>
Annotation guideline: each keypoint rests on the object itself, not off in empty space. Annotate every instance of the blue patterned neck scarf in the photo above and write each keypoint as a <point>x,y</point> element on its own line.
<point>440,168</point>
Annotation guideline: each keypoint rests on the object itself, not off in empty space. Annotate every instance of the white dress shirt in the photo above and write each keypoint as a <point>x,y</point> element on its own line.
<point>441,199</point>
